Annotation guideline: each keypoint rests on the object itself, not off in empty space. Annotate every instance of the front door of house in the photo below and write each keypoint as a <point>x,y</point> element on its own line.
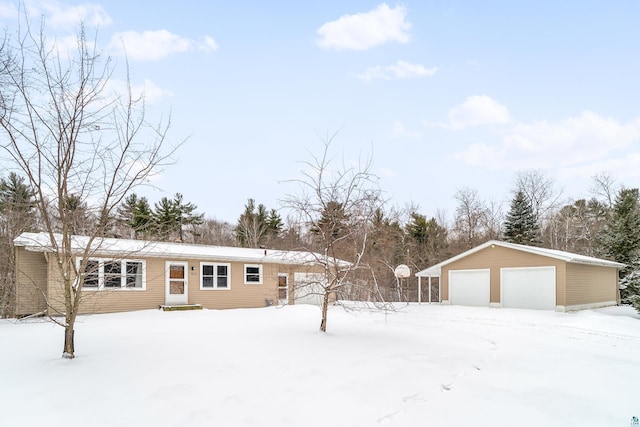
<point>283,289</point>
<point>176,291</point>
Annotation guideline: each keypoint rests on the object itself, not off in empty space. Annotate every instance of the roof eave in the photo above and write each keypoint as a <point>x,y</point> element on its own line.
<point>611,264</point>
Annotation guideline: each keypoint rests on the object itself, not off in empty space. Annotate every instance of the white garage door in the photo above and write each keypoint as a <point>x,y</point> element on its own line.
<point>308,288</point>
<point>469,287</point>
<point>528,288</point>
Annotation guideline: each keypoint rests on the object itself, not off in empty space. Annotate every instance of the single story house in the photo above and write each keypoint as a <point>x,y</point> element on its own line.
<point>126,275</point>
<point>501,274</point>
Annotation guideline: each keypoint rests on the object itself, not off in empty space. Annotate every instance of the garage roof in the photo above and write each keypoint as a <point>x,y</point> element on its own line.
<point>551,253</point>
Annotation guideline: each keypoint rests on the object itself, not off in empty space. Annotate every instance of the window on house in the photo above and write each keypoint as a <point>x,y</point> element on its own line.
<point>112,274</point>
<point>252,274</point>
<point>215,276</point>
<point>133,276</point>
<point>91,274</point>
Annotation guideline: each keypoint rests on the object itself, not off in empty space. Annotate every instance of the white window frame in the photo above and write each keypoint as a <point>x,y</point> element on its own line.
<point>245,274</point>
<point>123,275</point>
<point>215,266</point>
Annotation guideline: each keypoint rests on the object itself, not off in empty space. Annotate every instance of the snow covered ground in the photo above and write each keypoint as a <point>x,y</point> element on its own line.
<point>421,365</point>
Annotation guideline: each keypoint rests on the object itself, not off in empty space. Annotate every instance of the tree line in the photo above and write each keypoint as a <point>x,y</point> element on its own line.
<point>606,225</point>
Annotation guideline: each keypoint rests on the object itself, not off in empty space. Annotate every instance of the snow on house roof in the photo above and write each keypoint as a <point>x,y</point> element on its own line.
<point>40,242</point>
<point>551,253</point>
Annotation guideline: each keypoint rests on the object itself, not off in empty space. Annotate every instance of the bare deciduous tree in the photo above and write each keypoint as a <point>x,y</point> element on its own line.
<point>604,188</point>
<point>214,232</point>
<point>257,226</point>
<point>71,138</point>
<point>494,220</point>
<point>539,190</point>
<point>336,205</point>
<point>471,217</point>
<point>574,227</point>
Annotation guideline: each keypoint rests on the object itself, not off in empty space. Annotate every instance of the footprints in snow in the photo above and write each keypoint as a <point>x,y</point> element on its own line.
<point>421,398</point>
<point>449,386</point>
<point>412,399</point>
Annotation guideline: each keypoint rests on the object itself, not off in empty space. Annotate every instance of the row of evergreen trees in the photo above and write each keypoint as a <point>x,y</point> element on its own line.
<point>169,220</point>
<point>611,232</point>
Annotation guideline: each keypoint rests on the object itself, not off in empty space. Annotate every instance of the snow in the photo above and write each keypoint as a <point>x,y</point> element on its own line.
<point>142,248</point>
<point>419,365</point>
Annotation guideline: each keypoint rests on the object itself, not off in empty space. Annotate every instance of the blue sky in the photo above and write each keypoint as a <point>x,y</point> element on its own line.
<point>441,94</point>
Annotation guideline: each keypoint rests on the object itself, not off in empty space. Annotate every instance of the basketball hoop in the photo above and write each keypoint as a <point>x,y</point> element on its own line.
<point>402,271</point>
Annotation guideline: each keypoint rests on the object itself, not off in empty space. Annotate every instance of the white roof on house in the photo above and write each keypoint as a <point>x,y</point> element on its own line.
<point>551,253</point>
<point>40,242</point>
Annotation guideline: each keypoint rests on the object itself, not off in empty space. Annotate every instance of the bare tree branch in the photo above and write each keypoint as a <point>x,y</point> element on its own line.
<point>336,205</point>
<point>73,139</point>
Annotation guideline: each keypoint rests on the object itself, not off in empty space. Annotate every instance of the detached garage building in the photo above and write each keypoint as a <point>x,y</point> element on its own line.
<point>500,274</point>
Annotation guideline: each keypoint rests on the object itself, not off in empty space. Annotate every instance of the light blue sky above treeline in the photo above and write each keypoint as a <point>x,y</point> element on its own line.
<point>441,94</point>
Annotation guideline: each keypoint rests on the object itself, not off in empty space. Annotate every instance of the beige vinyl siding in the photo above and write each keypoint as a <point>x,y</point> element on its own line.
<point>31,282</point>
<point>238,295</point>
<point>497,257</point>
<point>589,284</point>
<point>114,300</point>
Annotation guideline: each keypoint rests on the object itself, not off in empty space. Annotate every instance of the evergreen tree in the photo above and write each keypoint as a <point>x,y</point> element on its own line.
<point>428,237</point>
<point>142,220</point>
<point>251,226</point>
<point>620,240</point>
<point>521,224</point>
<point>186,215</point>
<point>257,227</point>
<point>387,244</point>
<point>333,221</point>
<point>135,215</point>
<point>274,223</point>
<point>418,228</point>
<point>166,218</point>
<point>16,196</point>
<point>172,216</point>
<point>80,219</point>
<point>17,214</point>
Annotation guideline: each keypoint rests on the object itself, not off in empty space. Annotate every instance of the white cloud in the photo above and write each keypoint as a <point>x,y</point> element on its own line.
<point>151,92</point>
<point>626,167</point>
<point>66,47</point>
<point>362,31</point>
<point>585,141</point>
<point>372,73</point>
<point>63,16</point>
<point>399,131</point>
<point>406,70</point>
<point>477,110</point>
<point>209,44</point>
<point>400,70</point>
<point>155,45</point>
<point>149,45</point>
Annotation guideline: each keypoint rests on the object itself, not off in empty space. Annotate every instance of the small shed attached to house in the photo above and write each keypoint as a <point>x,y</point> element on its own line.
<point>501,274</point>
